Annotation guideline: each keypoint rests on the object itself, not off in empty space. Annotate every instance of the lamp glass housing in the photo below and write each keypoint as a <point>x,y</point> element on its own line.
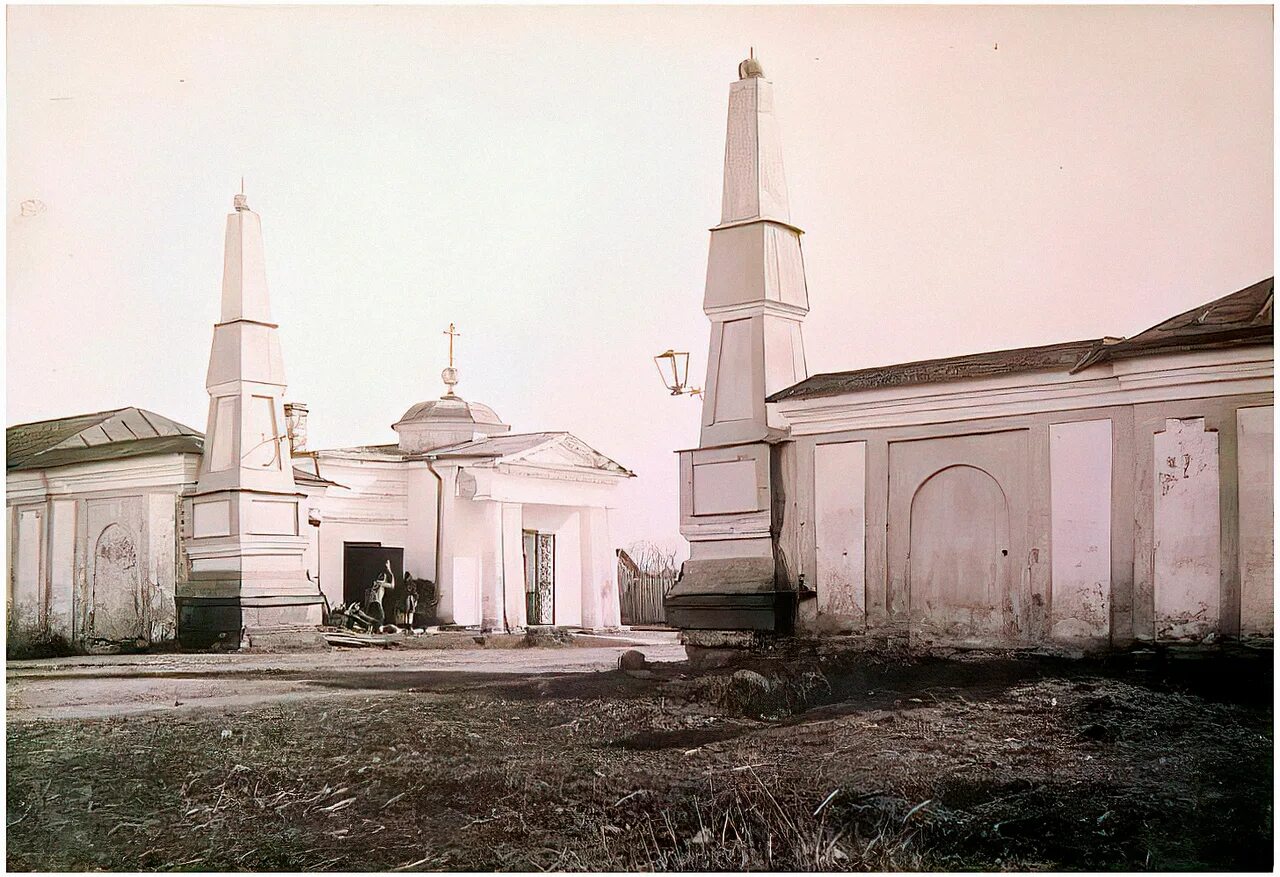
<point>673,366</point>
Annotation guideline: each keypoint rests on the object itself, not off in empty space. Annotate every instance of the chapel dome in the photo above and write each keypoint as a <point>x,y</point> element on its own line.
<point>450,408</point>
<point>449,420</point>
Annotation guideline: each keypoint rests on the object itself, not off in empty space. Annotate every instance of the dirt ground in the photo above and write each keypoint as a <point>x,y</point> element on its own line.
<point>791,762</point>
<point>89,687</point>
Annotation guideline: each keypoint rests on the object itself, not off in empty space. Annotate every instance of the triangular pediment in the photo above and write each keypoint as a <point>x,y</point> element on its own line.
<point>563,452</point>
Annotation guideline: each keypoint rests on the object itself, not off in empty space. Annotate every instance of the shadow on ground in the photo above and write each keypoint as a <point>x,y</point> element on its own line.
<point>1158,760</point>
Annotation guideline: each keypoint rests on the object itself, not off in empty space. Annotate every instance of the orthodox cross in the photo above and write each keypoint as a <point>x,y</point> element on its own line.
<point>452,333</point>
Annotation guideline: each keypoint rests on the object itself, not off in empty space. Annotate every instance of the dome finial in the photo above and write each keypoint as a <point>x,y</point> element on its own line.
<point>750,68</point>
<point>450,374</point>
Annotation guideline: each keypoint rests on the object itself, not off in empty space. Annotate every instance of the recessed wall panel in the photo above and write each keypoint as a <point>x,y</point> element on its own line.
<point>839,484</point>
<point>1187,549</point>
<point>1080,529</point>
<point>1254,431</point>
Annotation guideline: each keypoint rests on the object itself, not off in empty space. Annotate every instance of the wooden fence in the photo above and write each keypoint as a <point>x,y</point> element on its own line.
<point>641,593</point>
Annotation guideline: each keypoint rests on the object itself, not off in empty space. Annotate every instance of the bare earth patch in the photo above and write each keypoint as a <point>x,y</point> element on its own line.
<point>828,763</point>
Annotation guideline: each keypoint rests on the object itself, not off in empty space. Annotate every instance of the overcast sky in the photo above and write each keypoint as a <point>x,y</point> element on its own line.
<point>968,178</point>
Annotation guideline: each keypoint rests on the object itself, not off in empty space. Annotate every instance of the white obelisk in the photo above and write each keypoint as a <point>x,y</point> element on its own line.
<point>247,539</point>
<point>735,578</point>
<point>756,296</point>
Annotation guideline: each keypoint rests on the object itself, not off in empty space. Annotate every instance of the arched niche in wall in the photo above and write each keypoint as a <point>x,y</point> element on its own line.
<point>948,496</point>
<point>959,575</point>
<point>116,594</point>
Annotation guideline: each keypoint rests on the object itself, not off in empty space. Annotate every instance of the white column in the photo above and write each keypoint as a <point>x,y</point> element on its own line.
<point>493,607</point>
<point>513,564</point>
<point>592,586</point>
<point>446,586</point>
<point>606,559</point>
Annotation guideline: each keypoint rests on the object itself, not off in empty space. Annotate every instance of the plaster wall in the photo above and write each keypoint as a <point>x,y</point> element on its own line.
<point>1054,609</point>
<point>28,565</point>
<point>1186,564</point>
<point>1080,542</point>
<point>840,472</point>
<point>958,538</point>
<point>471,531</point>
<point>93,549</point>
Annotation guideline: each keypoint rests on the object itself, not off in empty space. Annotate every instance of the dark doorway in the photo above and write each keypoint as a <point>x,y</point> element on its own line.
<point>362,562</point>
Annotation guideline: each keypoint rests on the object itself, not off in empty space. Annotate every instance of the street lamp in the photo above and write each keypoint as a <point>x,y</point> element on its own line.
<point>673,366</point>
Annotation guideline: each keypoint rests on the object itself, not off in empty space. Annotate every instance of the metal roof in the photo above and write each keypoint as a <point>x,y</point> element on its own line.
<point>933,371</point>
<point>118,434</point>
<point>105,435</point>
<point>496,446</point>
<point>1243,317</point>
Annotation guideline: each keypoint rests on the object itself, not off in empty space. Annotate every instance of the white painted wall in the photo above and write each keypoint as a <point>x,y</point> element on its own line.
<point>471,556</point>
<point>371,506</point>
<point>29,566</point>
<point>840,520</point>
<point>600,600</point>
<point>1255,443</point>
<point>1080,540</point>
<point>1187,555</point>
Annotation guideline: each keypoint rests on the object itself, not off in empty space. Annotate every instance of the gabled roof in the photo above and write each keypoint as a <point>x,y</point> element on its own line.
<point>1241,318</point>
<point>105,435</point>
<point>527,446</point>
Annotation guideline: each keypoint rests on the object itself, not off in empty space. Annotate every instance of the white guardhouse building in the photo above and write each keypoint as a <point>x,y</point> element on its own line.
<point>1093,493</point>
<point>512,528</point>
<point>127,528</point>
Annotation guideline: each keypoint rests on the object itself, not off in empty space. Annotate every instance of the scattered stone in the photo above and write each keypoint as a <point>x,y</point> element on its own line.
<point>753,694</point>
<point>632,659</point>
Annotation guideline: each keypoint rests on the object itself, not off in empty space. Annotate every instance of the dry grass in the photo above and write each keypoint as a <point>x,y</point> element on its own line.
<point>905,768</point>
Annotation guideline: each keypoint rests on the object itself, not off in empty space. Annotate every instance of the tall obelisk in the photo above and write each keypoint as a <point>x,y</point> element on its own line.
<point>756,299</point>
<point>247,579</point>
<point>756,296</point>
